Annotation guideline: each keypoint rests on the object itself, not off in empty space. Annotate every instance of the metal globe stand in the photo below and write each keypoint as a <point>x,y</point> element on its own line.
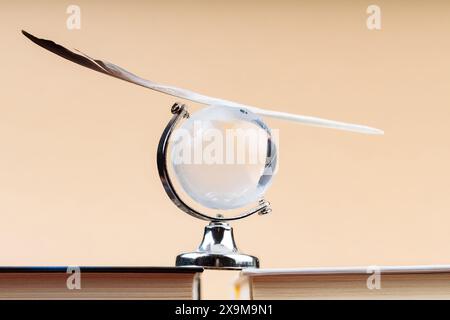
<point>217,249</point>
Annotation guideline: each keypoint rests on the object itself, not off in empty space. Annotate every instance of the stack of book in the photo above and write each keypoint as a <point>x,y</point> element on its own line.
<point>416,282</point>
<point>99,283</point>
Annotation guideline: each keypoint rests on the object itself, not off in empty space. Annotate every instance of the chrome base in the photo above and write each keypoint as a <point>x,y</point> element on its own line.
<point>217,251</point>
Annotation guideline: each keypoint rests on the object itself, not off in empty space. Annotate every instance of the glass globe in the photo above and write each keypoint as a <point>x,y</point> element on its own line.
<point>224,158</point>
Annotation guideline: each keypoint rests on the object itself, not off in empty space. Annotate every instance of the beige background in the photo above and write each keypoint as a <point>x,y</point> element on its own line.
<point>78,178</point>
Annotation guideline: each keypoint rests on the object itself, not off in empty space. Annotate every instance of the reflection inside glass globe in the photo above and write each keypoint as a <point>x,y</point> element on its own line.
<point>223,158</point>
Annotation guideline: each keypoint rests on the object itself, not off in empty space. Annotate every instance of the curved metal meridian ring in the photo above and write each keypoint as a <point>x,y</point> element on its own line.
<point>179,112</point>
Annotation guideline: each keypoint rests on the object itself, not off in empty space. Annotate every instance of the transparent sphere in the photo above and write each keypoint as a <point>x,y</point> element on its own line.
<point>223,158</point>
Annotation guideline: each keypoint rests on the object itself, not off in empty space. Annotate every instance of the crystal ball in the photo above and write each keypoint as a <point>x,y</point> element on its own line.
<point>223,158</point>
